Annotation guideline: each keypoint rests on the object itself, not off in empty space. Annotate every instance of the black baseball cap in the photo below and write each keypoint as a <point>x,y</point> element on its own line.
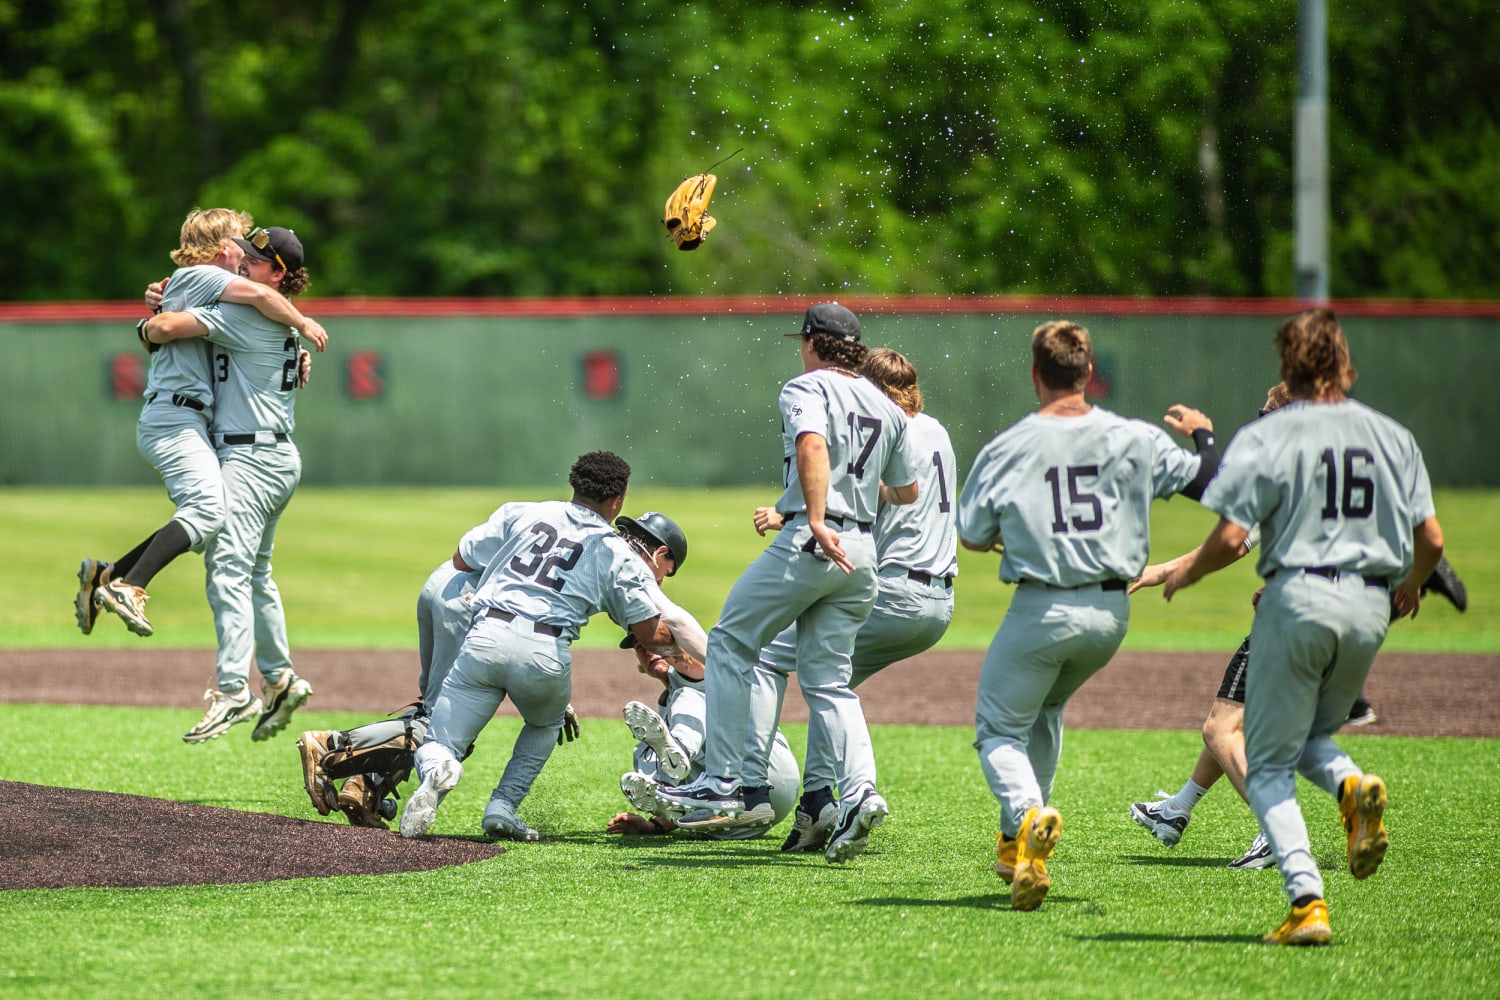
<point>272,243</point>
<point>830,318</point>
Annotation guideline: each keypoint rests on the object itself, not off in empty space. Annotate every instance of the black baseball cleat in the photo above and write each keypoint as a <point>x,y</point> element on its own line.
<point>1445,580</point>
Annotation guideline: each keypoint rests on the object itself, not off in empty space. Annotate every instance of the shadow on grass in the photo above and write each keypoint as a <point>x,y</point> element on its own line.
<point>1176,861</point>
<point>1121,937</point>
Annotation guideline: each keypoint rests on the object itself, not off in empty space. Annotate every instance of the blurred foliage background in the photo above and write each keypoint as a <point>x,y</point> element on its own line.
<point>524,148</point>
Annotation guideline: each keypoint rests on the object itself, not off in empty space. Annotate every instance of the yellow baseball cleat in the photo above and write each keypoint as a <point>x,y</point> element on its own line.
<point>1038,836</point>
<point>1005,860</point>
<point>1306,925</point>
<point>1361,807</point>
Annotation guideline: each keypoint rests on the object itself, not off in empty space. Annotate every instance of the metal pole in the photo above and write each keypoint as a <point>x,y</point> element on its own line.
<point>1311,151</point>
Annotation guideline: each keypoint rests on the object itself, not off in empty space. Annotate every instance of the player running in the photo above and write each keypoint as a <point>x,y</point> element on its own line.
<point>1344,505</point>
<point>1064,495</point>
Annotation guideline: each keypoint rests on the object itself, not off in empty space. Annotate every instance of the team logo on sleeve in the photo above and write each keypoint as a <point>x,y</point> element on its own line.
<point>796,410</point>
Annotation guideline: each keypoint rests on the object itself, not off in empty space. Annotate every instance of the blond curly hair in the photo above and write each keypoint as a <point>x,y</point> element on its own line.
<point>205,231</point>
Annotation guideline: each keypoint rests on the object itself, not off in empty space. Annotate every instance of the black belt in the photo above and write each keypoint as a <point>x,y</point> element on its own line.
<point>1332,573</point>
<point>178,399</point>
<point>540,628</point>
<point>1102,584</point>
<point>250,438</point>
<point>833,519</point>
<point>928,578</point>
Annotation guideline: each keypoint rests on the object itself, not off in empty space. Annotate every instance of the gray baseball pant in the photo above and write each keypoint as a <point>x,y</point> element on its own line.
<point>1313,641</point>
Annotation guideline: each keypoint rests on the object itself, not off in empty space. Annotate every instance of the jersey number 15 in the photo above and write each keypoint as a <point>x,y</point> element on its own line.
<point>1077,497</point>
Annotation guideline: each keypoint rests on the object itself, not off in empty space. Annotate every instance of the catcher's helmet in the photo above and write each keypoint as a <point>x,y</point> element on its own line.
<point>655,530</point>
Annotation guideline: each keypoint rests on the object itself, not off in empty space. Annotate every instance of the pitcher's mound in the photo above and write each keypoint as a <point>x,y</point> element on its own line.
<point>57,838</point>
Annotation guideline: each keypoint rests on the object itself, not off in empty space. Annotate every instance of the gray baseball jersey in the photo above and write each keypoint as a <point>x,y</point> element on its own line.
<point>1071,496</point>
<point>1373,488</point>
<point>173,431</point>
<point>181,367</point>
<point>921,536</point>
<point>559,563</point>
<point>853,417</point>
<point>791,581</point>
<point>256,367</point>
<point>1336,489</point>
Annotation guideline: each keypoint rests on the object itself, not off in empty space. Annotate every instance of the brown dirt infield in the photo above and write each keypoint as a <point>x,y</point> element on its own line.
<point>152,842</point>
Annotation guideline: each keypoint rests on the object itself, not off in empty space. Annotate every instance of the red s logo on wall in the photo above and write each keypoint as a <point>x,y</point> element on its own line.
<point>364,375</point>
<point>127,375</point>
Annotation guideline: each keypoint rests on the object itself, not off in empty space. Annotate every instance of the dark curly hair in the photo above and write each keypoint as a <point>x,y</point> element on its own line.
<point>839,352</point>
<point>599,475</point>
<point>293,282</point>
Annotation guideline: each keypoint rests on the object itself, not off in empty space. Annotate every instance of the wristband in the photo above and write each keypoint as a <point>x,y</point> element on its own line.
<point>140,331</point>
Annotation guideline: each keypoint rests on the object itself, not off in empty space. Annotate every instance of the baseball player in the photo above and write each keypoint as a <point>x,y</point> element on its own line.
<point>256,368</point>
<point>670,747</point>
<point>173,430</point>
<point>846,448</point>
<point>377,757</point>
<point>1344,505</point>
<point>1223,752</point>
<point>1064,495</point>
<point>916,550</point>
<point>547,568</point>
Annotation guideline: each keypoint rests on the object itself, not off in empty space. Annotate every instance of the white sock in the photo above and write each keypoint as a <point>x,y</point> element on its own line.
<point>1186,798</point>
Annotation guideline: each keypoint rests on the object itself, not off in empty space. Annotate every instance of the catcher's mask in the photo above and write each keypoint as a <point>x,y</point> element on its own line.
<point>651,531</point>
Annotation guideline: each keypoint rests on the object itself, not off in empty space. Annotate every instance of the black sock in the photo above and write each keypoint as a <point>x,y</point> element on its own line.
<point>167,544</point>
<point>814,799</point>
<point>754,795</point>
<point>127,562</point>
<point>1301,901</point>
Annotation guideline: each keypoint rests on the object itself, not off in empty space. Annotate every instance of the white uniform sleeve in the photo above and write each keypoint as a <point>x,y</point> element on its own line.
<point>685,628</point>
<point>480,544</point>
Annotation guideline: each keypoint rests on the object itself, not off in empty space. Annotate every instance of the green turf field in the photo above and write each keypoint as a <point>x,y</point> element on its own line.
<point>350,563</point>
<point>582,914</point>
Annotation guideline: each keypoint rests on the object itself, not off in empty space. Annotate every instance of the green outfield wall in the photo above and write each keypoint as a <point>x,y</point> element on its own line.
<point>689,399</point>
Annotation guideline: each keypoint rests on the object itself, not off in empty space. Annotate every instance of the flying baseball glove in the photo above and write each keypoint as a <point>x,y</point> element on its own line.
<point>686,213</point>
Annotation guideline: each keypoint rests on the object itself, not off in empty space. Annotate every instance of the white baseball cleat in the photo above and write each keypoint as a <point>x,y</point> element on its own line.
<point>851,833</point>
<point>421,808</point>
<point>651,729</point>
<point>640,791</point>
